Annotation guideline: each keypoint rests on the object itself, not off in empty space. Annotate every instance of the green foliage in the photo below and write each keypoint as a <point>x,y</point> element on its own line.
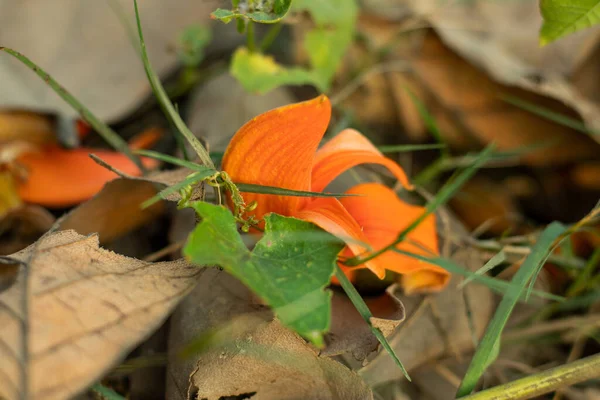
<point>489,346</point>
<point>259,73</point>
<point>262,11</point>
<point>288,268</point>
<point>192,42</point>
<point>325,45</point>
<point>563,17</point>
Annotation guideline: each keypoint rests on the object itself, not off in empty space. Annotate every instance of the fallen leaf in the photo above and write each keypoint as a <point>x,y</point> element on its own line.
<point>31,127</point>
<point>9,198</point>
<point>115,210</point>
<point>118,85</point>
<point>22,226</point>
<point>348,336</point>
<point>502,39</point>
<point>482,202</point>
<point>87,307</point>
<point>252,354</point>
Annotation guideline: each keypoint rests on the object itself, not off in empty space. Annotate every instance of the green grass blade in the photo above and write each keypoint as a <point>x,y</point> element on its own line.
<point>404,148</point>
<point>493,262</point>
<point>171,160</point>
<point>364,311</point>
<point>251,188</point>
<point>110,136</point>
<point>489,345</point>
<point>497,285</point>
<point>165,102</point>
<point>549,114</point>
<point>106,393</point>
<point>190,180</point>
<point>429,120</point>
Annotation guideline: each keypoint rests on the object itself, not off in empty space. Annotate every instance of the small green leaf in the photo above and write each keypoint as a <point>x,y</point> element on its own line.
<point>288,272</point>
<point>262,11</point>
<point>563,17</point>
<point>192,42</point>
<point>259,73</point>
<point>488,348</point>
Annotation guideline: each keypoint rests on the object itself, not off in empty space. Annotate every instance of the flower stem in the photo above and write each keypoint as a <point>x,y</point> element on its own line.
<point>250,41</point>
<point>270,37</point>
<point>543,382</point>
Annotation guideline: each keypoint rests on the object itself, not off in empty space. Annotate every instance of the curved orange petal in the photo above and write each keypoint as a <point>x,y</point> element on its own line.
<point>58,177</point>
<point>329,214</point>
<point>277,148</point>
<point>382,215</point>
<point>346,150</point>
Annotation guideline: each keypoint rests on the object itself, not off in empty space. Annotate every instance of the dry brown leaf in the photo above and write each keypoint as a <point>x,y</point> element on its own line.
<point>253,353</point>
<point>482,202</point>
<point>115,211</point>
<point>87,307</point>
<point>35,128</point>
<point>22,226</point>
<point>587,175</point>
<point>475,105</point>
<point>502,39</point>
<point>350,334</point>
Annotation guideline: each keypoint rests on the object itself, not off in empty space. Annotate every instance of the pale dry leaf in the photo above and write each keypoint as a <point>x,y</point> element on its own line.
<point>87,48</point>
<point>87,307</point>
<point>253,354</point>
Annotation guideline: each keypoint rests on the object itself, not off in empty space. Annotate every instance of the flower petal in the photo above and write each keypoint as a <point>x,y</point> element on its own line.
<point>382,215</point>
<point>330,215</point>
<point>277,148</point>
<point>346,150</point>
<point>58,177</point>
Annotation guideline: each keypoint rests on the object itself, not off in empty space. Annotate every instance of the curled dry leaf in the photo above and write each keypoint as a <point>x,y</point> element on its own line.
<point>22,226</point>
<point>349,333</point>
<point>249,352</point>
<point>503,39</point>
<point>87,307</point>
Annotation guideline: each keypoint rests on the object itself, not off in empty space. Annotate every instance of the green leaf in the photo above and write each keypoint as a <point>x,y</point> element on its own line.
<point>262,11</point>
<point>288,271</point>
<point>192,42</point>
<point>563,17</point>
<point>488,347</point>
<point>259,73</point>
<point>106,393</point>
<point>328,42</point>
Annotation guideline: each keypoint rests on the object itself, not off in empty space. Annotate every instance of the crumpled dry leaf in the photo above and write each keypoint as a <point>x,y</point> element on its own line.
<point>350,334</point>
<point>87,307</point>
<point>503,39</point>
<point>252,353</point>
<point>115,210</point>
<point>58,36</point>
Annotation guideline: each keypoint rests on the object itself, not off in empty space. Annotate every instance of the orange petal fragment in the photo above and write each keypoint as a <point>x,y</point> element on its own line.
<point>330,215</point>
<point>277,148</point>
<point>346,150</point>
<point>382,216</point>
<point>58,177</point>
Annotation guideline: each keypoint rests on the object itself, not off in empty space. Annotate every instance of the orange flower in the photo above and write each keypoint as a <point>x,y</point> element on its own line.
<point>279,148</point>
<point>58,177</point>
